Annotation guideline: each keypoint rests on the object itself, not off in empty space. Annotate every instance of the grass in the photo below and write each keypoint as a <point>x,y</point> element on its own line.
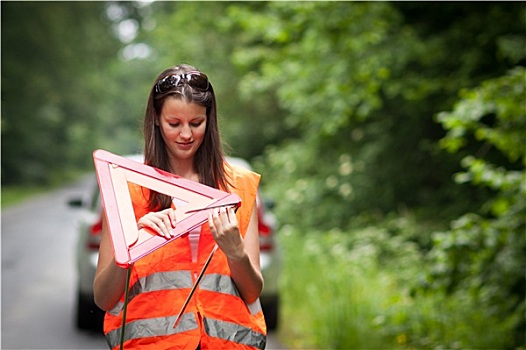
<point>15,194</point>
<point>340,291</point>
<point>331,298</point>
<point>12,195</point>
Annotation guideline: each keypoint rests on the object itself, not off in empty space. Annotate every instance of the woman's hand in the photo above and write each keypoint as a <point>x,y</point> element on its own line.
<point>225,230</point>
<point>242,253</point>
<point>162,222</point>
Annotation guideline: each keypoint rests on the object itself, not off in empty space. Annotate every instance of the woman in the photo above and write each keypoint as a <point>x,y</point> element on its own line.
<point>182,137</point>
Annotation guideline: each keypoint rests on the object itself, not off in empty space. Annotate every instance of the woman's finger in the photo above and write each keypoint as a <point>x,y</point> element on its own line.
<point>211,224</point>
<point>167,226</point>
<point>232,216</point>
<point>160,222</point>
<point>173,218</point>
<point>159,225</point>
<point>223,216</point>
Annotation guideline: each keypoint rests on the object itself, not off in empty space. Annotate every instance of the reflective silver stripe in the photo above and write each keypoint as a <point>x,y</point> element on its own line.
<point>219,283</point>
<point>152,327</point>
<point>155,282</point>
<point>224,284</point>
<point>235,333</point>
<point>255,307</point>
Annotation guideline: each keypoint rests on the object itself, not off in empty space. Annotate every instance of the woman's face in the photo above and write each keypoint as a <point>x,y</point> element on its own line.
<point>183,127</point>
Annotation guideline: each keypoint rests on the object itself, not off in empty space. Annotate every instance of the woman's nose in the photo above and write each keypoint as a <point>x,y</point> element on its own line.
<point>186,132</point>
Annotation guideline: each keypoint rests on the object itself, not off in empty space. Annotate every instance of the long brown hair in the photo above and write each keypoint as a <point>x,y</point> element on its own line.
<point>208,160</point>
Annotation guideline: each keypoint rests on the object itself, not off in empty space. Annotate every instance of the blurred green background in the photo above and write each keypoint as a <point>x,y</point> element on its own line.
<point>391,135</point>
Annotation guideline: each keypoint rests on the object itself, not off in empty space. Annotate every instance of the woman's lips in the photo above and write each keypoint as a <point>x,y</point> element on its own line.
<point>185,145</point>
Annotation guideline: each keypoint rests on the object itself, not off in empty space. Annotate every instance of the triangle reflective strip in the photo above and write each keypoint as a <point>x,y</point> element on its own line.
<point>130,243</point>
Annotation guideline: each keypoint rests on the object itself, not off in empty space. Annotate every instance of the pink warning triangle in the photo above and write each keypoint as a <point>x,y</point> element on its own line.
<point>193,201</point>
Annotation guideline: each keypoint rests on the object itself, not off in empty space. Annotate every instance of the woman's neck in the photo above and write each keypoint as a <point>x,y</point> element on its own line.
<point>184,169</point>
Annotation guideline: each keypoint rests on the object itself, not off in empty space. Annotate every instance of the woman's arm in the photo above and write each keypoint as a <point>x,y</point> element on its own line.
<point>242,253</point>
<point>110,279</point>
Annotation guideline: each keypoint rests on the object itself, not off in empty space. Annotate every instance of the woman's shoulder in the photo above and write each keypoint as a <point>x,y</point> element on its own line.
<point>239,169</point>
<point>244,182</point>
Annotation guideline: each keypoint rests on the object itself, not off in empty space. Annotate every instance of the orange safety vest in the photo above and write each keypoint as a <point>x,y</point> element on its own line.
<point>216,316</point>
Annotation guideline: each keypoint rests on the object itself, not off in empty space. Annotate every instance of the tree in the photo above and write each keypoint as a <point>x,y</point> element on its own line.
<point>484,252</point>
<point>208,43</point>
<point>358,94</point>
<point>54,60</point>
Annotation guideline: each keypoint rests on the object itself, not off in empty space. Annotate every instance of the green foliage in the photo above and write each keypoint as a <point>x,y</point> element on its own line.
<point>384,157</point>
<point>51,54</point>
<point>484,253</point>
<point>308,62</point>
<point>354,290</point>
<point>494,114</point>
<point>454,321</point>
<point>334,290</point>
<point>364,86</point>
<point>12,195</point>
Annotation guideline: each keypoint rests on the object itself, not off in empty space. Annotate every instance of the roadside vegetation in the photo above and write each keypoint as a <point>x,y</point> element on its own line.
<point>399,281</point>
<point>13,195</point>
<point>357,290</point>
<point>391,136</point>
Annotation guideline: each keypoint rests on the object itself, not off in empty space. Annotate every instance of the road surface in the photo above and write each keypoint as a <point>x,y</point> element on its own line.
<point>38,241</point>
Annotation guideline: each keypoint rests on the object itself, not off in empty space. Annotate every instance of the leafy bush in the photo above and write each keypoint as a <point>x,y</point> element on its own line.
<point>355,290</point>
<point>335,292</point>
<point>484,253</point>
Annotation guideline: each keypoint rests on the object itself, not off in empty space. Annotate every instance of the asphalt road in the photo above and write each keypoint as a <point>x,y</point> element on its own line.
<point>38,241</point>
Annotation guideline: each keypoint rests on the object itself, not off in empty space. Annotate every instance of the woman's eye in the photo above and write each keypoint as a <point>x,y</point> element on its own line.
<point>196,124</point>
<point>173,125</point>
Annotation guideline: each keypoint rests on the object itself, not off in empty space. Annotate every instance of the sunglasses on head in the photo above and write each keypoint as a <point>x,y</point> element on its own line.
<point>196,80</point>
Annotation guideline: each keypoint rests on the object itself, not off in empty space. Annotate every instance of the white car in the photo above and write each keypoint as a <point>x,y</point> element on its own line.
<point>89,316</point>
